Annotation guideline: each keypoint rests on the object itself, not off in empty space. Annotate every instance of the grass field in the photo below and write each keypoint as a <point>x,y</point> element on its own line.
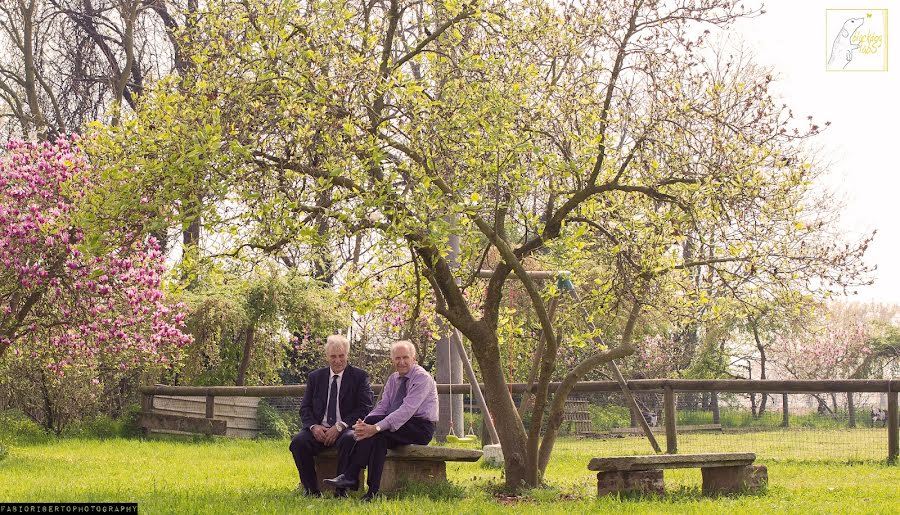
<point>232,476</point>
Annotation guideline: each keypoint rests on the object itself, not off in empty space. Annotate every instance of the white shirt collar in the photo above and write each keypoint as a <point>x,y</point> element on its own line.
<point>339,374</point>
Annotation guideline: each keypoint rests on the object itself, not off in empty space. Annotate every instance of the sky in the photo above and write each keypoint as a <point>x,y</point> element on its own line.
<point>863,107</point>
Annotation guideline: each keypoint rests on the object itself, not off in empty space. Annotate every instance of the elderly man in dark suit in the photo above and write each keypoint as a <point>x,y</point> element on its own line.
<point>405,415</point>
<point>336,396</point>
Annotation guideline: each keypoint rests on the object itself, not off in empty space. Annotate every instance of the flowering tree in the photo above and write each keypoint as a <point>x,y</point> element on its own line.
<point>69,300</point>
<point>841,343</point>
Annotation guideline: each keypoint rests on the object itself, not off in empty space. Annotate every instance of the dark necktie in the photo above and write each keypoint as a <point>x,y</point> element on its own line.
<point>397,401</point>
<point>332,402</point>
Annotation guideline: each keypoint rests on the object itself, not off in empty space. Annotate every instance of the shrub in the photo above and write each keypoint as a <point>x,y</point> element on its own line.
<point>18,429</point>
<point>271,424</point>
<point>131,422</point>
<point>608,417</point>
<point>100,426</point>
<point>293,422</point>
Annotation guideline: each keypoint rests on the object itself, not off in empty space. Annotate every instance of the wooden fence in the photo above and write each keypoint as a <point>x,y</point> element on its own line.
<point>209,424</point>
<point>237,413</point>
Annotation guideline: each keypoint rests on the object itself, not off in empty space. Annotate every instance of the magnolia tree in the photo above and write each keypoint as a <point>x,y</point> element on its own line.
<point>602,138</point>
<point>64,303</point>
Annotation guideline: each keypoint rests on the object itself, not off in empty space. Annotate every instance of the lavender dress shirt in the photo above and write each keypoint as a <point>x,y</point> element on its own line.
<point>421,399</point>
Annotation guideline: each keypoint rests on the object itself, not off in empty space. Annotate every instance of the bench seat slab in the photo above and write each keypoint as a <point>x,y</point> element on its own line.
<point>667,461</point>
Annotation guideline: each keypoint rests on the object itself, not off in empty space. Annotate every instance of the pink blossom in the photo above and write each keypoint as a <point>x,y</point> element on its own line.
<point>105,308</point>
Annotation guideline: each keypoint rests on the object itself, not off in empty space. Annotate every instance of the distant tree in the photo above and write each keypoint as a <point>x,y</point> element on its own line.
<point>244,329</point>
<point>841,341</point>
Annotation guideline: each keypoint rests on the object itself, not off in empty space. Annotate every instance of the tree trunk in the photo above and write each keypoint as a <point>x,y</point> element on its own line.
<point>558,406</point>
<point>128,13</point>
<point>762,367</point>
<point>50,422</point>
<point>245,357</point>
<point>509,426</point>
<point>190,241</point>
<point>528,396</point>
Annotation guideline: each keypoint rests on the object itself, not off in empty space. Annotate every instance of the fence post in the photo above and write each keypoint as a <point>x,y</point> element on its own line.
<point>851,410</point>
<point>671,435</point>
<point>785,416</point>
<point>714,402</point>
<point>210,406</point>
<point>893,432</point>
<point>146,403</point>
<point>146,407</point>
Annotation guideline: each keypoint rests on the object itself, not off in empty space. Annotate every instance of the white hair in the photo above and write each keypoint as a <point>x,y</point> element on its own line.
<point>404,343</point>
<point>337,339</point>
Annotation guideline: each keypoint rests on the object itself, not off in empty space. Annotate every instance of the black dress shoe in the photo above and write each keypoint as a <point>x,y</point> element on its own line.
<point>301,490</point>
<point>341,481</point>
<point>369,497</point>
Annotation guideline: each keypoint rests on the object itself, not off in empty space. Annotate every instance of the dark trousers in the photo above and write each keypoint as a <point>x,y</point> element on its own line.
<point>372,451</point>
<point>305,447</point>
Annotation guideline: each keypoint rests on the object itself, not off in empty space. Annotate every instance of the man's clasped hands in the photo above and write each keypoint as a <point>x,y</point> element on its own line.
<point>328,435</point>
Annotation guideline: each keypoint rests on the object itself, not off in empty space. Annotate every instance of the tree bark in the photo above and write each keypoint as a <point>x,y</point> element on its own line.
<point>249,334</point>
<point>509,426</point>
<point>558,406</point>
<point>762,366</point>
<point>528,397</point>
<point>31,80</point>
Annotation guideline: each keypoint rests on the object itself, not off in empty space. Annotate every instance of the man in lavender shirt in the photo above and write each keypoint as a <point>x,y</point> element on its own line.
<point>405,415</point>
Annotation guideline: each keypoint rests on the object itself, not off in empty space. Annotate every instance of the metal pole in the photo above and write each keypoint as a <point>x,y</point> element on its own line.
<point>448,371</point>
<point>456,340</point>
<point>448,365</point>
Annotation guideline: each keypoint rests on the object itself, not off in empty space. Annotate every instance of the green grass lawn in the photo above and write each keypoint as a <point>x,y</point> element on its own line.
<point>235,476</point>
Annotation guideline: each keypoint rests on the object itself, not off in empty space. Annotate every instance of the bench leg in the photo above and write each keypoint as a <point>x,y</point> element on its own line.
<point>729,480</point>
<point>639,481</point>
<point>398,472</point>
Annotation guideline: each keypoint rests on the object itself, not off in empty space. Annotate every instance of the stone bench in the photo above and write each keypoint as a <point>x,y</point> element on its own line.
<point>421,463</point>
<point>723,473</point>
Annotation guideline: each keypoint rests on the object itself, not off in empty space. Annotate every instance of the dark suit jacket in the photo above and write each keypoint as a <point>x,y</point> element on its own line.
<point>355,398</point>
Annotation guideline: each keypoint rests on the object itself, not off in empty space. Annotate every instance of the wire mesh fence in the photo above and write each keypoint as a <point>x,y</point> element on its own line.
<point>784,427</point>
<point>832,425</point>
<point>826,425</point>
